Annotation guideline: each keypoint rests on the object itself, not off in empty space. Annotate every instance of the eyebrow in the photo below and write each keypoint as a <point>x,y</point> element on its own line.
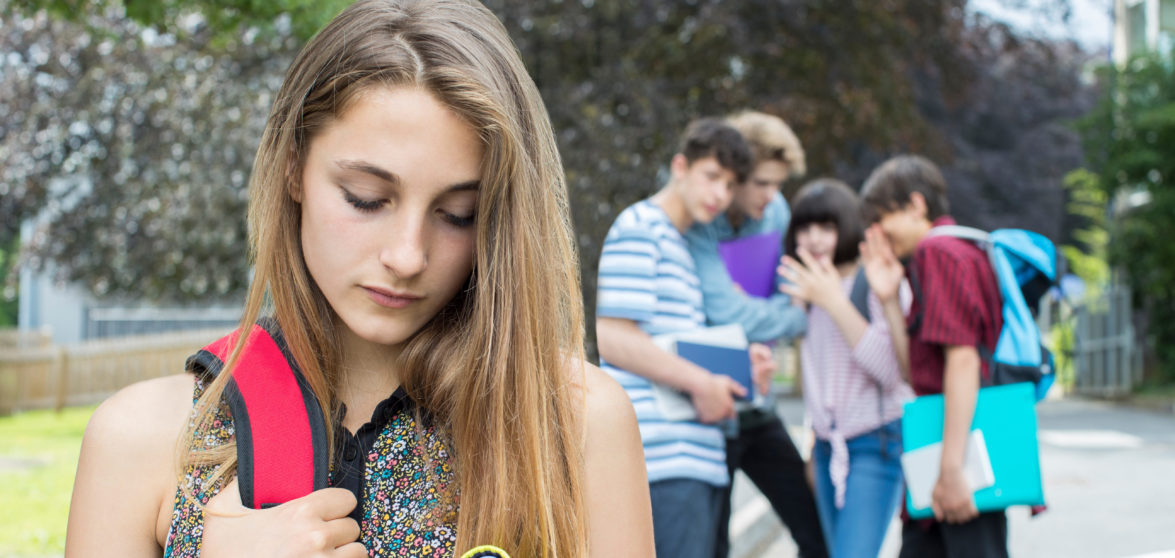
<point>392,178</point>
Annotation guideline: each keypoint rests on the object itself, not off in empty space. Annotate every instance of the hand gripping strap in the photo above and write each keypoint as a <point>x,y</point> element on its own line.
<point>280,431</point>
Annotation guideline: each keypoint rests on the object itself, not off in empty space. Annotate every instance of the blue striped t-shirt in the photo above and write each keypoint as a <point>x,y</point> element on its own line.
<point>646,275</point>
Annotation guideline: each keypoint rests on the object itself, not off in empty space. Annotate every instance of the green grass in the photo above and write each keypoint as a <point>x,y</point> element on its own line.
<point>38,459</point>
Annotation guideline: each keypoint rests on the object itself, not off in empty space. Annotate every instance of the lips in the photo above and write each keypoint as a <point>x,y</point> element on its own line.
<point>389,298</point>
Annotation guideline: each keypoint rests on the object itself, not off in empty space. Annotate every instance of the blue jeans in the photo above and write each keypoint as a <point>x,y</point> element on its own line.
<point>872,492</point>
<point>685,517</point>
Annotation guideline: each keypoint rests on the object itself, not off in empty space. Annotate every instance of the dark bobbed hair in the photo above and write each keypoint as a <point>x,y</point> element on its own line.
<point>828,200</point>
<point>890,185</point>
<point>712,137</point>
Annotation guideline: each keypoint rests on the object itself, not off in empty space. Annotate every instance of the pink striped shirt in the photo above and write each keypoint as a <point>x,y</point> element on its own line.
<point>850,391</point>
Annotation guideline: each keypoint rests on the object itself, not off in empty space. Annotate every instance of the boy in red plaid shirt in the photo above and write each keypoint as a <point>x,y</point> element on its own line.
<point>956,308</point>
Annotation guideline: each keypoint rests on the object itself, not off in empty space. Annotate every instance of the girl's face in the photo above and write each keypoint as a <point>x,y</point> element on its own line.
<point>819,239</point>
<point>389,191</point>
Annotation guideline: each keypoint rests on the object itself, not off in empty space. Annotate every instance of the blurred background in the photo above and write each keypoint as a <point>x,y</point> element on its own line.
<point>128,129</point>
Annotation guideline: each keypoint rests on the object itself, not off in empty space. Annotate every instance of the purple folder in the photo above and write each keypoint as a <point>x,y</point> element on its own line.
<point>751,262</point>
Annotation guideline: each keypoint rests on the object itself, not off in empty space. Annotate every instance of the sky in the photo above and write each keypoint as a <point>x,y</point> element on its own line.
<point>1090,22</point>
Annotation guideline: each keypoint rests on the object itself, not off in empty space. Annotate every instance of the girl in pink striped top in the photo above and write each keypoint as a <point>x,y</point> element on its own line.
<point>853,359</point>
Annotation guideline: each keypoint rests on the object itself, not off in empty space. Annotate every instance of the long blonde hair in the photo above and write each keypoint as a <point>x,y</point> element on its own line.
<point>498,367</point>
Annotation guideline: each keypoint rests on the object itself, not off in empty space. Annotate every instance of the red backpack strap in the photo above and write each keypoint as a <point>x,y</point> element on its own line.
<point>279,425</point>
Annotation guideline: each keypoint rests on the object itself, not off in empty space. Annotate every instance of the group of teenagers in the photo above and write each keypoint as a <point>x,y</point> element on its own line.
<point>415,266</point>
<point>869,342</point>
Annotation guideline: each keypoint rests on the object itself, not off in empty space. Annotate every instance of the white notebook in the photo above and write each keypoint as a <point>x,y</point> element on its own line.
<point>921,468</point>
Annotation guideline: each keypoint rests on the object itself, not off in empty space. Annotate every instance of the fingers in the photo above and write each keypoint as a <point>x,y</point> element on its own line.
<point>792,270</point>
<point>735,388</point>
<point>760,352</point>
<point>799,279</point>
<point>341,532</point>
<point>822,266</point>
<point>793,291</point>
<point>352,550</point>
<point>762,366</point>
<point>879,246</point>
<point>961,514</point>
<point>329,503</point>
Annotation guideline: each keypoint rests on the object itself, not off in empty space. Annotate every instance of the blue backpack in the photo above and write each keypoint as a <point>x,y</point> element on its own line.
<point>1025,266</point>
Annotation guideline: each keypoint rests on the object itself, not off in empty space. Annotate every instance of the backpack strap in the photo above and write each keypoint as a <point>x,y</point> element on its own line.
<point>859,296</point>
<point>978,236</point>
<point>279,425</point>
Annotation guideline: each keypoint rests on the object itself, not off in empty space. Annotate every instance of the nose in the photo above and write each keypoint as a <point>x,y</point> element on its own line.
<point>725,192</point>
<point>404,251</point>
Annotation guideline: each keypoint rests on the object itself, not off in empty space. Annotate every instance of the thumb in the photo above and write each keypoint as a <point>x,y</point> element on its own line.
<point>227,502</point>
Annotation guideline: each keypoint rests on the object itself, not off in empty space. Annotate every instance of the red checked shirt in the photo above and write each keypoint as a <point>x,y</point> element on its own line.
<point>956,302</point>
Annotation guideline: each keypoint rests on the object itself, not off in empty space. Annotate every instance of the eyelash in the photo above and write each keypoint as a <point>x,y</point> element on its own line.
<point>366,206</point>
<point>369,206</point>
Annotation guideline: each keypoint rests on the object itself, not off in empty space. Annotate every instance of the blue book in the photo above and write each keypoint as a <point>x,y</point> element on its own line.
<point>1006,415</point>
<point>727,361</point>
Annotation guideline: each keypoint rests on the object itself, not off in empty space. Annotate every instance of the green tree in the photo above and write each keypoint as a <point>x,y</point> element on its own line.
<point>134,122</point>
<point>1130,145</point>
<point>8,283</point>
<point>1088,258</point>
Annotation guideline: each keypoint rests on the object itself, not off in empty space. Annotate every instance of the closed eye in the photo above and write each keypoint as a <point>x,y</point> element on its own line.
<point>458,220</point>
<point>366,206</point>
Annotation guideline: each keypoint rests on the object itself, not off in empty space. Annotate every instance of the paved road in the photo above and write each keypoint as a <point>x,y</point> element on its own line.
<point>1109,476</point>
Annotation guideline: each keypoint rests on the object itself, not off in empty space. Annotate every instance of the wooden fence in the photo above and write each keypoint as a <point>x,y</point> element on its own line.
<point>39,375</point>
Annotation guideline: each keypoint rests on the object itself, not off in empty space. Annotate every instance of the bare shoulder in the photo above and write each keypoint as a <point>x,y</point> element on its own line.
<point>128,456</point>
<point>617,490</point>
<point>603,393</point>
<point>145,414</point>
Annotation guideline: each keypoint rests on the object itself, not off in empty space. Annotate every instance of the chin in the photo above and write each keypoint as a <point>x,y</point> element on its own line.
<point>380,332</point>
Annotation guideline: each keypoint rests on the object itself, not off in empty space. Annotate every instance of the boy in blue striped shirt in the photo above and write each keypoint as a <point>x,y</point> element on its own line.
<point>648,285</point>
<point>761,447</point>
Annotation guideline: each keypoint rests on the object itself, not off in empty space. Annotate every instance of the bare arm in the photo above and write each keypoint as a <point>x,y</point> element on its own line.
<point>620,517</point>
<point>622,343</point>
<point>849,321</point>
<point>126,474</point>
<point>625,345</point>
<point>126,482</point>
<point>952,499</point>
<point>895,319</point>
<point>885,274</point>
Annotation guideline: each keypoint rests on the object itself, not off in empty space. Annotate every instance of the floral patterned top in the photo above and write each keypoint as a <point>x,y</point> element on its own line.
<point>399,468</point>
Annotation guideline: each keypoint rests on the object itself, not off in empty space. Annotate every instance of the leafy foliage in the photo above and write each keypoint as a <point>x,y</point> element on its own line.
<point>8,283</point>
<point>137,131</point>
<point>222,18</point>
<point>1088,259</point>
<point>1130,142</point>
<point>137,151</point>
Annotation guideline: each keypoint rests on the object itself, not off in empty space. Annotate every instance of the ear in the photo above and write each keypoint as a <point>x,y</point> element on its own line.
<point>679,166</point>
<point>918,204</point>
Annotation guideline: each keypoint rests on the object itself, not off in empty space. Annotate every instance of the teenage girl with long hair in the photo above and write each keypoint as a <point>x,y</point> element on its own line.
<point>409,225</point>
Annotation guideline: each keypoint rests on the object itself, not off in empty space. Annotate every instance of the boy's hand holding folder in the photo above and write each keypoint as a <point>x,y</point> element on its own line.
<point>721,350</point>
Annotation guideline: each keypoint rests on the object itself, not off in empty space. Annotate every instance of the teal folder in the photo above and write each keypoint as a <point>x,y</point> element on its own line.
<point>1007,416</point>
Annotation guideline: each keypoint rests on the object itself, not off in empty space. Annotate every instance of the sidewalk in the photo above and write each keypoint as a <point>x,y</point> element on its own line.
<point>1105,467</point>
